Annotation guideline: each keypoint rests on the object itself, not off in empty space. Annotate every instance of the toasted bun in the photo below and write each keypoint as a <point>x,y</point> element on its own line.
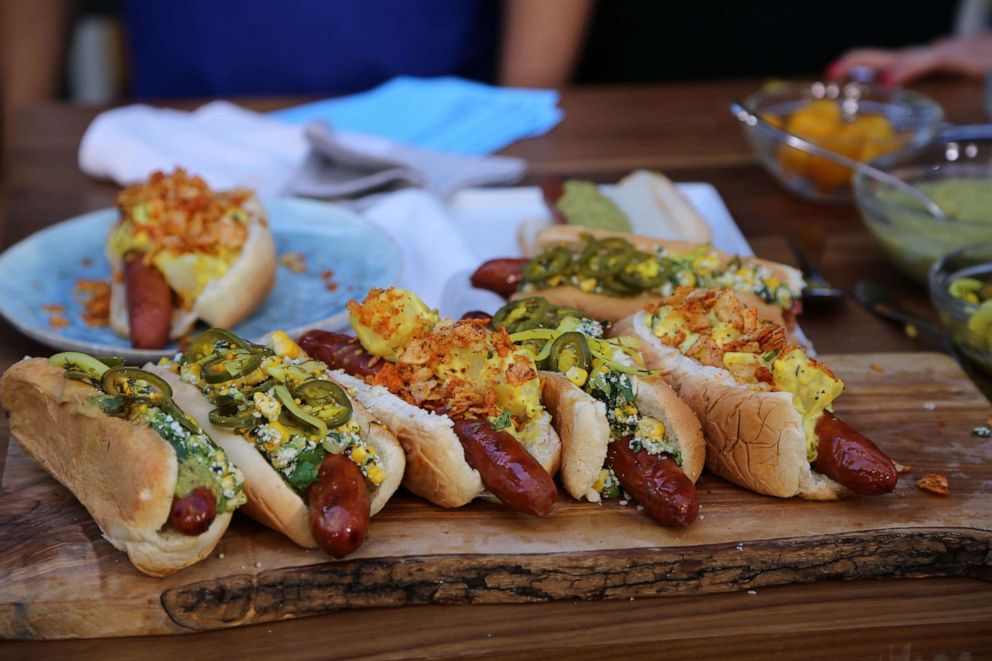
<point>580,420</point>
<point>656,207</point>
<point>435,461</point>
<point>754,436</point>
<point>271,501</point>
<point>122,472</point>
<point>223,302</point>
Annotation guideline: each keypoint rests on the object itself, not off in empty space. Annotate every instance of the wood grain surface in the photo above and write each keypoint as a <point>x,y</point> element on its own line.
<point>62,580</point>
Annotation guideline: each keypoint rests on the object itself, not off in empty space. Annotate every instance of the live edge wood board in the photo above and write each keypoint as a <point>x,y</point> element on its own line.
<point>59,578</point>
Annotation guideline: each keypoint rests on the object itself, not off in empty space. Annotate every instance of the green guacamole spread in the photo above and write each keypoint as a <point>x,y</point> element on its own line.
<point>201,463</point>
<point>583,204</point>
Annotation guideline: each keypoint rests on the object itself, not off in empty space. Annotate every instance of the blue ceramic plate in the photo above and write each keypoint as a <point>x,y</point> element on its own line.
<point>43,269</point>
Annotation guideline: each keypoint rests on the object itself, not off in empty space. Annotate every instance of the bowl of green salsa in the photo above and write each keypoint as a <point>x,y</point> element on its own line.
<point>956,171</point>
<point>961,290</point>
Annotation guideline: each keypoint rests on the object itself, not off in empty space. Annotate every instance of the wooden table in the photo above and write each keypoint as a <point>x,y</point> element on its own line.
<point>685,131</point>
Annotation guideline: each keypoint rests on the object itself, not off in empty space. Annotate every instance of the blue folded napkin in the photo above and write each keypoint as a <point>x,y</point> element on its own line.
<point>446,114</point>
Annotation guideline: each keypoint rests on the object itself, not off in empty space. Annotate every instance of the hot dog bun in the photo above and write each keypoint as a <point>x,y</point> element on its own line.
<point>224,301</point>
<point>656,207</point>
<point>435,461</point>
<point>580,420</point>
<point>585,433</point>
<point>271,501</point>
<point>122,472</point>
<point>651,202</point>
<point>614,308</point>
<point>754,436</point>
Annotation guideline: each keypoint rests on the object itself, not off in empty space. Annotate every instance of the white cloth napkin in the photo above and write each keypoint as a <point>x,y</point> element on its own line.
<point>433,247</point>
<point>230,146</point>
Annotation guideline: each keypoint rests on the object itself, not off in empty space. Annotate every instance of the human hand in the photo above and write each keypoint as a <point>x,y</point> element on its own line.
<point>966,56</point>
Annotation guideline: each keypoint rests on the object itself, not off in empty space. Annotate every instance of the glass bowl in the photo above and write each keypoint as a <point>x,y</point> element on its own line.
<point>858,120</point>
<point>911,237</point>
<point>968,322</point>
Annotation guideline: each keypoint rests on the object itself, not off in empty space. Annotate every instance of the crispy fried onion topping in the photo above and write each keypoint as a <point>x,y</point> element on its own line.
<point>455,368</point>
<point>179,212</point>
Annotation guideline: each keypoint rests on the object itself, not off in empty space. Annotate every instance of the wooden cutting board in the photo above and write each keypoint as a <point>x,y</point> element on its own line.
<point>59,578</point>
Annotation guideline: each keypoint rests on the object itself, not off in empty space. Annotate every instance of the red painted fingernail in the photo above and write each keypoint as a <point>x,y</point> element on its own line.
<point>832,69</point>
<point>887,79</point>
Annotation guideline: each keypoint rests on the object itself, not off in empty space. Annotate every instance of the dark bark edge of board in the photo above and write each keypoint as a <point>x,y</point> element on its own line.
<point>592,575</point>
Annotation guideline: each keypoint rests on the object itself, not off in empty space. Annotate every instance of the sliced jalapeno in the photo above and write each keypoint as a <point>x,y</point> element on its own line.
<point>238,420</point>
<point>221,369</point>
<point>290,406</point>
<point>204,345</point>
<point>115,380</point>
<point>547,265</point>
<point>111,361</point>
<point>575,343</point>
<point>609,258</point>
<point>614,285</point>
<point>513,314</point>
<point>320,392</point>
<point>79,363</point>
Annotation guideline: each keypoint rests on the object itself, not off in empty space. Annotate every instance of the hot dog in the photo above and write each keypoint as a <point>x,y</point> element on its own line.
<point>620,425</point>
<point>611,275</point>
<point>339,506</point>
<point>506,469</point>
<point>848,457</point>
<point>149,303</point>
<point>763,402</point>
<point>656,482</point>
<point>182,252</point>
<point>503,276</point>
<point>91,423</point>
<point>463,402</point>
<point>316,467</point>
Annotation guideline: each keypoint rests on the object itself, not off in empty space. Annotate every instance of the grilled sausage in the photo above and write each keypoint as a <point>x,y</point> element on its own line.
<point>500,275</point>
<point>340,351</point>
<point>339,506</point>
<point>507,469</point>
<point>193,513</point>
<point>655,482</point>
<point>149,303</point>
<point>847,456</point>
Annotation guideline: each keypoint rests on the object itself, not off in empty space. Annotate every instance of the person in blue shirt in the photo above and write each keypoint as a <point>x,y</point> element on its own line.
<point>205,48</point>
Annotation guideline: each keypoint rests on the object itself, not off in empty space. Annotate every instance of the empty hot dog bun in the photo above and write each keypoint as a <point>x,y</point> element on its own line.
<point>656,207</point>
<point>272,500</point>
<point>585,432</point>
<point>214,250</point>
<point>652,205</point>
<point>122,471</point>
<point>754,275</point>
<point>755,433</point>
